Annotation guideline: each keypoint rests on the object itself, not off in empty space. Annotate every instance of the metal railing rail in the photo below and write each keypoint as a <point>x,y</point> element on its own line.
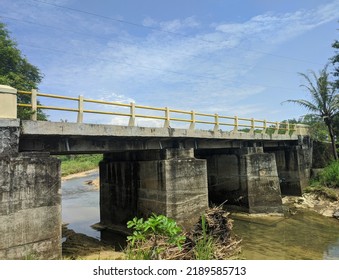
<point>250,125</point>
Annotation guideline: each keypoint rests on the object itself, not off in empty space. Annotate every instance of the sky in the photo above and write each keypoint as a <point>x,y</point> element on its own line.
<point>231,57</point>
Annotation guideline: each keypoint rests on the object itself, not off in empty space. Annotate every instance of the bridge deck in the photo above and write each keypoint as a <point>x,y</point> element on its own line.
<point>63,137</point>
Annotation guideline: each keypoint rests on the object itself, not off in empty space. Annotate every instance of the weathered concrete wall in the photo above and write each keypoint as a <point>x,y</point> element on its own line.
<point>118,191</point>
<point>224,182</point>
<point>9,136</point>
<point>176,187</point>
<point>168,182</point>
<point>30,205</point>
<point>260,177</point>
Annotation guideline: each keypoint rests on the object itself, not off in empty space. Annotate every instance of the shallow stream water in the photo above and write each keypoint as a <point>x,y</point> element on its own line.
<point>304,235</point>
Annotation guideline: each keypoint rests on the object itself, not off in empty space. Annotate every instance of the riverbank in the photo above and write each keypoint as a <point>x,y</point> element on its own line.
<point>314,202</point>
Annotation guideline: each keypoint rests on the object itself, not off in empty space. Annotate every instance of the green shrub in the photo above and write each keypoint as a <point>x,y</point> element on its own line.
<point>152,236</point>
<point>329,177</point>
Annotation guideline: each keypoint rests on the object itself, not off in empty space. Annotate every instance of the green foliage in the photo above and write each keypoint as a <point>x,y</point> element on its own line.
<point>329,176</point>
<point>154,228</point>
<point>16,71</point>
<point>335,61</point>
<point>318,129</point>
<point>323,101</point>
<point>78,163</point>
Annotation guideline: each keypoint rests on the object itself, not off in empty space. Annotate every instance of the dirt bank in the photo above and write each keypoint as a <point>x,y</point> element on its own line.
<point>78,175</point>
<point>79,246</point>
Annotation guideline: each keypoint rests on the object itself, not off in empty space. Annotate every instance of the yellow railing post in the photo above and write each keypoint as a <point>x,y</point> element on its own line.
<point>80,118</point>
<point>34,104</point>
<point>167,117</point>
<point>132,117</point>
<point>192,125</point>
<point>277,125</point>
<point>236,124</point>
<point>252,126</point>
<point>216,122</point>
<point>287,128</point>
<point>265,127</point>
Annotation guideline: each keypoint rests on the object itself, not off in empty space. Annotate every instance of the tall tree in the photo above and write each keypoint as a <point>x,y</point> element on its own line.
<point>16,71</point>
<point>335,61</point>
<point>324,100</point>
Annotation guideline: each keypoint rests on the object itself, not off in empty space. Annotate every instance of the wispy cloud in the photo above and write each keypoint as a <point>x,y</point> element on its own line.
<point>205,68</point>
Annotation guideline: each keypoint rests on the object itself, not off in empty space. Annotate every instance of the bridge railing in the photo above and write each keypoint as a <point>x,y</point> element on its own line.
<point>165,114</point>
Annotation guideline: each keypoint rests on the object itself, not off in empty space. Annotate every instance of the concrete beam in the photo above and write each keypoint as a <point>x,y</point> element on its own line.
<point>43,128</point>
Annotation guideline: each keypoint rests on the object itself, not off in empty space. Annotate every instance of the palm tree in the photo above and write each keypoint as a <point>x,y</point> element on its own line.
<point>324,100</point>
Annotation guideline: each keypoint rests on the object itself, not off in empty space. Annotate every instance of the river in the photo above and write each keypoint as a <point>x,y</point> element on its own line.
<point>303,235</point>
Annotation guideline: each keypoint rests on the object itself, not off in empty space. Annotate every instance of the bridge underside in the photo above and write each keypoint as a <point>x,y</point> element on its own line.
<point>173,175</point>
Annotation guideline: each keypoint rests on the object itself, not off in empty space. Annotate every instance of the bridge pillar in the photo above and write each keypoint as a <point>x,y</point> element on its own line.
<point>169,182</point>
<point>30,206</point>
<point>294,165</point>
<point>243,177</point>
<point>260,181</point>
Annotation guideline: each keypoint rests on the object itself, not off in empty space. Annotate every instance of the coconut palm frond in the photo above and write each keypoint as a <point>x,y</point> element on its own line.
<point>304,103</point>
<point>324,101</point>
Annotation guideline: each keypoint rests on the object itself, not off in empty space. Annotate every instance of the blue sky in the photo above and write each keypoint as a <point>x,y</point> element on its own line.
<point>227,57</point>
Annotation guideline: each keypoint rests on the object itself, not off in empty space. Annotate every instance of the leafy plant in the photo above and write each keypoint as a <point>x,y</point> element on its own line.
<point>154,229</point>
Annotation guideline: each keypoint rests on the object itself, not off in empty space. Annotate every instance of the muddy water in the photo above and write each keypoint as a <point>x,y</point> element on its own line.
<point>80,205</point>
<point>304,235</point>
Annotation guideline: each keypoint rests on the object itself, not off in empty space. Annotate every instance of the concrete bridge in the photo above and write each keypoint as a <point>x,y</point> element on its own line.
<point>176,171</point>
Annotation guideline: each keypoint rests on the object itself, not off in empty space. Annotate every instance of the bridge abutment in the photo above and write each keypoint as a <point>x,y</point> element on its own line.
<point>30,203</point>
<point>170,182</point>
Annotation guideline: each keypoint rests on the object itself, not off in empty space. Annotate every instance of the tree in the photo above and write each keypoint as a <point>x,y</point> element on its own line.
<point>335,61</point>
<point>324,100</point>
<point>16,71</point>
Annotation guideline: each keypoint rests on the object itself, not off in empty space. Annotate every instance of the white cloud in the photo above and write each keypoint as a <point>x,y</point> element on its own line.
<point>276,28</point>
<point>207,69</point>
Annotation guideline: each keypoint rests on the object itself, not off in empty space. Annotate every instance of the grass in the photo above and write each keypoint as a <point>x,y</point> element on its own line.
<point>204,247</point>
<point>78,163</point>
<point>325,183</point>
<point>329,176</point>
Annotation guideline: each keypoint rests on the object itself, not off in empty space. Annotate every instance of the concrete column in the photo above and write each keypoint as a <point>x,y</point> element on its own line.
<point>260,181</point>
<point>294,165</point>
<point>169,182</point>
<point>244,177</point>
<point>30,205</point>
<point>8,102</point>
